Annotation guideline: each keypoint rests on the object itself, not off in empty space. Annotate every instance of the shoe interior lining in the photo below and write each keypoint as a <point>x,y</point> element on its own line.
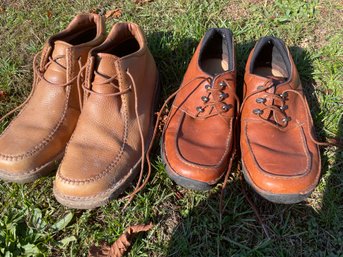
<point>269,72</point>
<point>82,37</point>
<point>215,65</point>
<point>214,56</point>
<point>126,47</point>
<point>270,61</point>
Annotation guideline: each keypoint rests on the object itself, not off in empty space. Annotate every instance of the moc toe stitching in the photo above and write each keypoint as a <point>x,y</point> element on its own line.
<point>43,143</point>
<point>179,155</point>
<point>105,192</point>
<point>108,169</point>
<point>304,173</point>
<point>32,171</point>
<point>199,166</point>
<point>183,161</point>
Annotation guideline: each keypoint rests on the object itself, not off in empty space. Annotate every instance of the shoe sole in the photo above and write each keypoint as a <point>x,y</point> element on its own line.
<point>116,189</point>
<point>275,198</point>
<point>32,175</point>
<point>183,181</point>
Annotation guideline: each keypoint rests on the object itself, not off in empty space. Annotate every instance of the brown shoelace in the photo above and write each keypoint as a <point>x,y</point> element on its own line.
<point>209,101</point>
<point>282,110</point>
<point>140,185</point>
<point>81,85</point>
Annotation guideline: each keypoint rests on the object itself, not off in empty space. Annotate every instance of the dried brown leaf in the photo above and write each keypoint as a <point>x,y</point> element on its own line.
<point>116,13</point>
<point>49,14</point>
<point>94,10</point>
<point>163,119</point>
<point>337,141</point>
<point>2,94</point>
<point>121,245</point>
<point>179,195</point>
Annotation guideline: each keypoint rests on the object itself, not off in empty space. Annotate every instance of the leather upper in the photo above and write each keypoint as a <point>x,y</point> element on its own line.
<point>106,143</point>
<point>42,129</point>
<point>279,157</point>
<point>197,145</point>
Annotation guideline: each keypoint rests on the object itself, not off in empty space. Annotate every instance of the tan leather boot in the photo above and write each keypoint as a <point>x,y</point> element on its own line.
<point>115,125</point>
<point>280,156</point>
<point>35,140</point>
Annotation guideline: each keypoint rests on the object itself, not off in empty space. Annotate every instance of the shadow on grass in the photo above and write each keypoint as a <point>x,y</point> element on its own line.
<point>171,57</point>
<point>331,214</point>
<point>293,230</point>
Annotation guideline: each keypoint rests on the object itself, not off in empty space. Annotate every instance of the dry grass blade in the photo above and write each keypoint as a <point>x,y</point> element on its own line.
<point>140,2</point>
<point>254,208</point>
<point>121,245</point>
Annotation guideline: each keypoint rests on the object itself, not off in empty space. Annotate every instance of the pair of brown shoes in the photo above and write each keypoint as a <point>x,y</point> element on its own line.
<point>92,105</point>
<point>280,156</point>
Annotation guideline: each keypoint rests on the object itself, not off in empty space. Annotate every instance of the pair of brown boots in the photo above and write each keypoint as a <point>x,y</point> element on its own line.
<point>91,106</point>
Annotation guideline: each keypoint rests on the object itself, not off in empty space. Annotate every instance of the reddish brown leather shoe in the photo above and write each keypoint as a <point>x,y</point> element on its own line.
<point>280,157</point>
<point>114,128</point>
<point>197,141</point>
<point>35,140</point>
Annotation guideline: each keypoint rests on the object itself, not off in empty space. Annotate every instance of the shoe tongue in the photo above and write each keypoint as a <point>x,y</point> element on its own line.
<point>55,73</point>
<point>276,81</point>
<point>269,114</point>
<point>105,68</point>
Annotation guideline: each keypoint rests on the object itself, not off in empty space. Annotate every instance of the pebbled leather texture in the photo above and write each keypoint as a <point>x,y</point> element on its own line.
<point>40,132</point>
<point>197,145</point>
<point>106,144</point>
<point>279,157</point>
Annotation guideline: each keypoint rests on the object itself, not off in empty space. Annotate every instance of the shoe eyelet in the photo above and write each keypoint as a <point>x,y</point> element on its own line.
<point>284,95</point>
<point>222,96</point>
<point>222,84</point>
<point>200,109</point>
<point>261,100</point>
<point>283,108</point>
<point>257,111</point>
<point>208,87</point>
<point>205,99</point>
<point>286,119</point>
<point>226,107</point>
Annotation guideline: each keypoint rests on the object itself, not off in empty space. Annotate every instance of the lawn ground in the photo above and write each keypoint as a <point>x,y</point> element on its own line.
<point>187,223</point>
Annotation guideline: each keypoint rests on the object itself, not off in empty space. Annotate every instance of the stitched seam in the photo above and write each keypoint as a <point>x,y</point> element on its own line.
<point>44,142</point>
<point>312,186</point>
<point>186,110</point>
<point>73,134</point>
<point>43,57</point>
<point>35,169</point>
<point>110,189</point>
<point>22,110</point>
<point>214,166</point>
<point>50,136</point>
<point>15,118</point>
<point>198,166</point>
<point>307,169</point>
<point>275,176</point>
<point>113,163</point>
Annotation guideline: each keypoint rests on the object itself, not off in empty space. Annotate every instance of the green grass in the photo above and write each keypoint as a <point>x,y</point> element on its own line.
<point>32,223</point>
